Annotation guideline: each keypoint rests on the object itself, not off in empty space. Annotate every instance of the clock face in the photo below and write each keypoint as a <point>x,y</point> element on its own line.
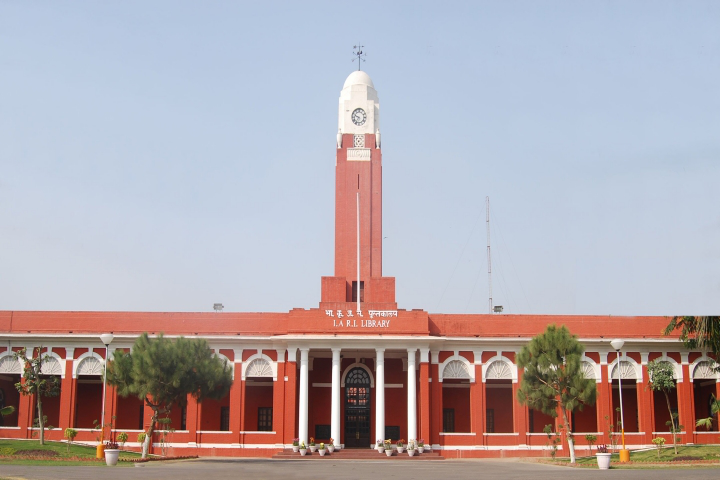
<point>359,116</point>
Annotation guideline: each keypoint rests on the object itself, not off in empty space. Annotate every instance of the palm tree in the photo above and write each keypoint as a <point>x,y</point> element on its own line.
<point>714,409</point>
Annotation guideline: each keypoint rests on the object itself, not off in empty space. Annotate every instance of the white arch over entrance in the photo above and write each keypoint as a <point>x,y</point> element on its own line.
<point>499,367</point>
<point>629,369</point>
<point>703,368</point>
<point>9,364</point>
<point>259,365</point>
<point>456,366</point>
<point>360,365</point>
<point>89,363</point>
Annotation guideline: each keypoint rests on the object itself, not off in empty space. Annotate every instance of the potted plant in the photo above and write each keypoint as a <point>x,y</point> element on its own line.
<point>411,448</point>
<point>322,450</point>
<point>112,452</point>
<point>331,445</point>
<point>380,446</point>
<point>311,444</point>
<point>420,446</point>
<point>296,445</point>
<point>303,449</point>
<point>603,457</point>
<point>388,447</point>
<point>401,445</point>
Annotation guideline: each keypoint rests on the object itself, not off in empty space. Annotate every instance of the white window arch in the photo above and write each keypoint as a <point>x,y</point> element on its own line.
<point>89,363</point>
<point>53,365</point>
<point>590,368</point>
<point>499,368</point>
<point>629,369</point>
<point>457,367</point>
<point>704,368</point>
<point>9,364</point>
<point>358,365</point>
<point>259,365</point>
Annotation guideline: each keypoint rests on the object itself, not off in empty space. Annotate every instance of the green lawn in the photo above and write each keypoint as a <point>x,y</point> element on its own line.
<point>57,453</point>
<point>667,456</point>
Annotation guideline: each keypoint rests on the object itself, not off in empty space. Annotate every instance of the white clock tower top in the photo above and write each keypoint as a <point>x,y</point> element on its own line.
<point>359,110</point>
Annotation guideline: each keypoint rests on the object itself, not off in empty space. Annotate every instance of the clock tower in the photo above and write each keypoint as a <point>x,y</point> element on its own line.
<point>358,203</point>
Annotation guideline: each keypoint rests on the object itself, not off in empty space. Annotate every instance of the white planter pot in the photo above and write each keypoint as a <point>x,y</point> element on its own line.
<point>111,456</point>
<point>380,449</point>
<point>401,449</point>
<point>296,448</point>
<point>303,451</point>
<point>421,449</point>
<point>603,460</point>
<point>322,452</point>
<point>388,452</point>
<point>313,448</point>
<point>331,448</point>
<point>411,452</point>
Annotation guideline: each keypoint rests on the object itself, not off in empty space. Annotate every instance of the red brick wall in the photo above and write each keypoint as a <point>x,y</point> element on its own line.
<point>501,401</point>
<point>89,405</point>
<point>256,397</point>
<point>128,413</point>
<point>459,400</point>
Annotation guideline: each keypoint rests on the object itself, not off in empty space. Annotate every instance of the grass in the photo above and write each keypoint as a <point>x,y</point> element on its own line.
<point>58,453</point>
<point>686,453</point>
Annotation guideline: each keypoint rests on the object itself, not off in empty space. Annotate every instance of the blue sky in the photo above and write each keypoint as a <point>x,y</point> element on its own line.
<point>163,156</point>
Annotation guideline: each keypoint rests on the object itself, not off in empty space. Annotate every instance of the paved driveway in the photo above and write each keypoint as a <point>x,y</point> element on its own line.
<point>232,468</point>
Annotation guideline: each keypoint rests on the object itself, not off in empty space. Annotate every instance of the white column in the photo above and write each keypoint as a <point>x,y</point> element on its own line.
<point>380,393</point>
<point>411,397</point>
<point>303,406</point>
<point>335,400</point>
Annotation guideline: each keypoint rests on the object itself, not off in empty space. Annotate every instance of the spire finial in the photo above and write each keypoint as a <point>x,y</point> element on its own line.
<point>358,52</point>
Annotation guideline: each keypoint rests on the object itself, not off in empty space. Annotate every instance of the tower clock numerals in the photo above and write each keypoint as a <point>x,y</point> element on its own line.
<point>359,116</point>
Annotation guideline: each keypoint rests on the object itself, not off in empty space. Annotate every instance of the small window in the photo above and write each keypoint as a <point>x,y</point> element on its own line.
<point>354,291</point>
<point>224,419</point>
<point>183,418</point>
<point>448,420</point>
<point>490,419</point>
<point>142,414</point>
<point>264,419</point>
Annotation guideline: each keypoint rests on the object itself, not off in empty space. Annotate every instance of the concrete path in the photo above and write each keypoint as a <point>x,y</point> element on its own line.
<point>262,469</point>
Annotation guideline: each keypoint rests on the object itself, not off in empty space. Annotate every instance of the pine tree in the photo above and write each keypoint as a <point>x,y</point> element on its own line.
<point>553,378</point>
<point>163,372</point>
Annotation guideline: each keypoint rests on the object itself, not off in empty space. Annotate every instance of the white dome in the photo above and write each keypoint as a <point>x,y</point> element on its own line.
<point>358,77</point>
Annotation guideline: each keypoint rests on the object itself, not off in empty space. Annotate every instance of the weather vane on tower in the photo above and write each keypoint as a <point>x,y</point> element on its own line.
<point>359,54</point>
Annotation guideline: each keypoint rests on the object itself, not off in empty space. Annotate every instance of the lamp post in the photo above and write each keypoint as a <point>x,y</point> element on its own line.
<point>106,339</point>
<point>617,344</point>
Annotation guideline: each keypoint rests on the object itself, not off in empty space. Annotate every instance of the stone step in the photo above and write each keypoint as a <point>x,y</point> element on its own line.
<point>356,454</point>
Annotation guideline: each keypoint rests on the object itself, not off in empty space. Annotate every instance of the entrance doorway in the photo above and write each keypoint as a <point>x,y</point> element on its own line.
<point>357,408</point>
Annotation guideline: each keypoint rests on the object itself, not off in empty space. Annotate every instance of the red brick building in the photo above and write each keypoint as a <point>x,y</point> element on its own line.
<point>357,368</point>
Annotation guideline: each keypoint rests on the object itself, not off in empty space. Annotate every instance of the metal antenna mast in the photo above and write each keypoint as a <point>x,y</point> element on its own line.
<point>359,54</point>
<point>489,261</point>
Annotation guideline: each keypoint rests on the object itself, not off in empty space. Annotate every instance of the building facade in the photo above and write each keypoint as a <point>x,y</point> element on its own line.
<point>357,368</point>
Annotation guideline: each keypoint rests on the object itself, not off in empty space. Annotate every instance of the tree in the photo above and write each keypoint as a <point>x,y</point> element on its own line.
<point>662,379</point>
<point>163,372</point>
<point>35,383</point>
<point>553,378</point>
<point>702,333</point>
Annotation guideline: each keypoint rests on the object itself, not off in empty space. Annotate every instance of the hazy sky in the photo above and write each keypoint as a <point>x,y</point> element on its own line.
<point>164,156</point>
